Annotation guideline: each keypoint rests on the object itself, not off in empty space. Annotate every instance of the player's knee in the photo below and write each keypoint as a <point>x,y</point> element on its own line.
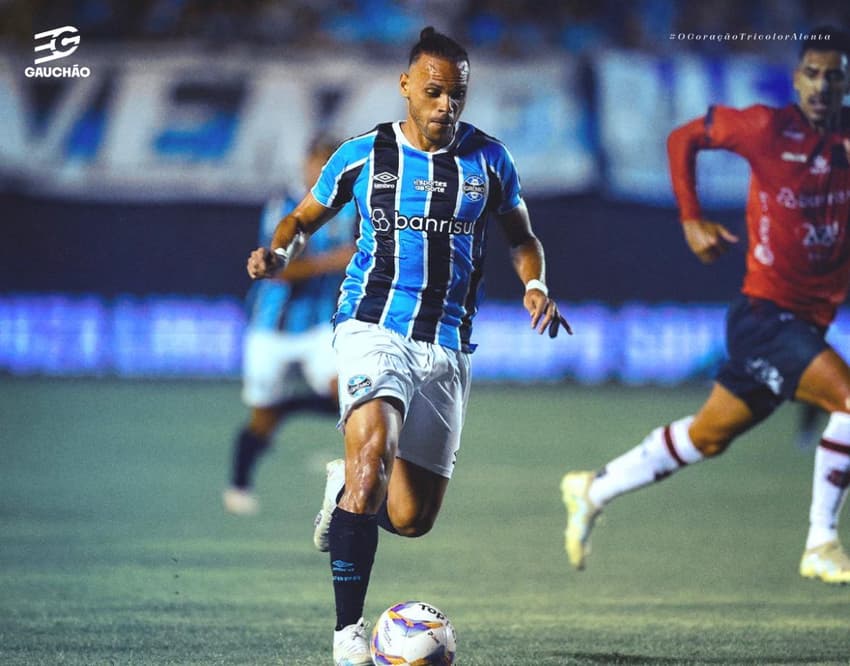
<point>711,445</point>
<point>411,519</point>
<point>415,526</point>
<point>839,404</point>
<point>263,422</point>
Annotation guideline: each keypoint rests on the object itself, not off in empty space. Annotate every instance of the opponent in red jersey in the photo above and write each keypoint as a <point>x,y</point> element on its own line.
<point>798,272</point>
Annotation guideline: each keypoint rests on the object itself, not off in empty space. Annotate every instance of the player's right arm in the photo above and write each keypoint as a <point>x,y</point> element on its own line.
<point>721,128</point>
<point>289,237</point>
<point>310,266</point>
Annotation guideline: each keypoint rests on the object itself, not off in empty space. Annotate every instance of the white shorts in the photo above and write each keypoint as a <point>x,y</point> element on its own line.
<point>275,366</point>
<point>431,381</point>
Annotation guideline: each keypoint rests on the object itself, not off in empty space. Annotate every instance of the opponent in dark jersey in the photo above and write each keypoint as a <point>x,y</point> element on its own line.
<point>424,189</point>
<point>798,205</point>
<point>798,270</point>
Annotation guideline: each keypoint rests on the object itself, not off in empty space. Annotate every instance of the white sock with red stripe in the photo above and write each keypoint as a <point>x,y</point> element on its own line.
<point>662,452</point>
<point>830,482</point>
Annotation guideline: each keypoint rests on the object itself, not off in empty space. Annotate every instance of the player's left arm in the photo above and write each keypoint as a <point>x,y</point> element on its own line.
<point>530,265</point>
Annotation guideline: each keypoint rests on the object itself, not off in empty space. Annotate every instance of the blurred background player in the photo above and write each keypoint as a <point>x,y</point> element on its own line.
<point>288,364</point>
<point>797,274</point>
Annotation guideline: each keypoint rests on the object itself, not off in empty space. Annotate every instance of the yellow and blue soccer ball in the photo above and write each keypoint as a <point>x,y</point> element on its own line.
<point>413,633</point>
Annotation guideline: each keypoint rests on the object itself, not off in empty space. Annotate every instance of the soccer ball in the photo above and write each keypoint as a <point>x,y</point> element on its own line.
<point>413,633</point>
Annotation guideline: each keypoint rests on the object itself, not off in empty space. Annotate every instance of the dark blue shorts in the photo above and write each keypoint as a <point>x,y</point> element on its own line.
<point>768,349</point>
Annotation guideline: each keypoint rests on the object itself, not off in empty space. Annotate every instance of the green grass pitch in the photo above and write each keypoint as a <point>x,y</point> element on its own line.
<point>114,548</point>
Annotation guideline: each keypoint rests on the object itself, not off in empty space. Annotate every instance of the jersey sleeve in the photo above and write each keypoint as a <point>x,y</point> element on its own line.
<point>739,131</point>
<point>327,190</point>
<point>335,186</point>
<point>504,176</point>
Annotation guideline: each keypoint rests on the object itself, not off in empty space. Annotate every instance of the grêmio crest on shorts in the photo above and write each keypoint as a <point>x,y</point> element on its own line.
<point>421,237</point>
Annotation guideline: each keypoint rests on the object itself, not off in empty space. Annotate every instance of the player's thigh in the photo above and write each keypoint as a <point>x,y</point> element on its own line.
<point>826,382</point>
<point>429,445</point>
<point>722,417</point>
<point>371,441</point>
<point>371,363</point>
<point>769,350</point>
<point>263,420</point>
<point>414,497</point>
<point>432,427</point>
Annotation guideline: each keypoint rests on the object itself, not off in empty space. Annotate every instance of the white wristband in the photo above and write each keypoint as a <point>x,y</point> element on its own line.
<point>290,251</point>
<point>282,256</point>
<point>537,284</point>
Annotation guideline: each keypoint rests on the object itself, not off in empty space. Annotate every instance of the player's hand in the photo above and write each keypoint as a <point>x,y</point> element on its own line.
<point>544,313</point>
<point>262,263</point>
<point>846,144</point>
<point>707,240</point>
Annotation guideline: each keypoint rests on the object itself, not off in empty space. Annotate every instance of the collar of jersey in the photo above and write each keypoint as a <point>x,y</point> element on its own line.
<point>404,140</point>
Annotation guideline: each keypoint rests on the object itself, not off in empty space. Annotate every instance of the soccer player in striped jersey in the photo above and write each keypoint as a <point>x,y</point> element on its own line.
<point>288,366</point>
<point>797,273</point>
<point>424,188</point>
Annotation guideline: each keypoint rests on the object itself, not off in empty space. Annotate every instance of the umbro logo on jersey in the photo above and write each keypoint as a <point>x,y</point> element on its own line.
<point>794,157</point>
<point>384,181</point>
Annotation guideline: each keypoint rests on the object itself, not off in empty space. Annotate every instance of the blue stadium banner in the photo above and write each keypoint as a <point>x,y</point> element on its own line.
<point>172,126</point>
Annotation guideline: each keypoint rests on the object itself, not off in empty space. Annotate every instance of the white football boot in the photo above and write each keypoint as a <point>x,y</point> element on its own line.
<point>828,562</point>
<point>240,502</point>
<point>351,645</point>
<point>334,484</point>
<point>581,514</point>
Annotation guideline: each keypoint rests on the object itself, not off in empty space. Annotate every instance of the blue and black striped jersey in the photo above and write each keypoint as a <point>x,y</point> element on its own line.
<point>296,307</point>
<point>422,235</point>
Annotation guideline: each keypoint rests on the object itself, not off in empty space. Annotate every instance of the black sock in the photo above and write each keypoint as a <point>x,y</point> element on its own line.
<point>384,521</point>
<point>353,542</point>
<point>246,451</point>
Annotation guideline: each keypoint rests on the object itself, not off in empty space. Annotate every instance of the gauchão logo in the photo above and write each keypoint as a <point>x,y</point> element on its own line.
<point>57,43</point>
<point>65,38</point>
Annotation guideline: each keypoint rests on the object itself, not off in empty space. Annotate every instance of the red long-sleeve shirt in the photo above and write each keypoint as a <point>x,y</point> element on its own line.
<point>798,207</point>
